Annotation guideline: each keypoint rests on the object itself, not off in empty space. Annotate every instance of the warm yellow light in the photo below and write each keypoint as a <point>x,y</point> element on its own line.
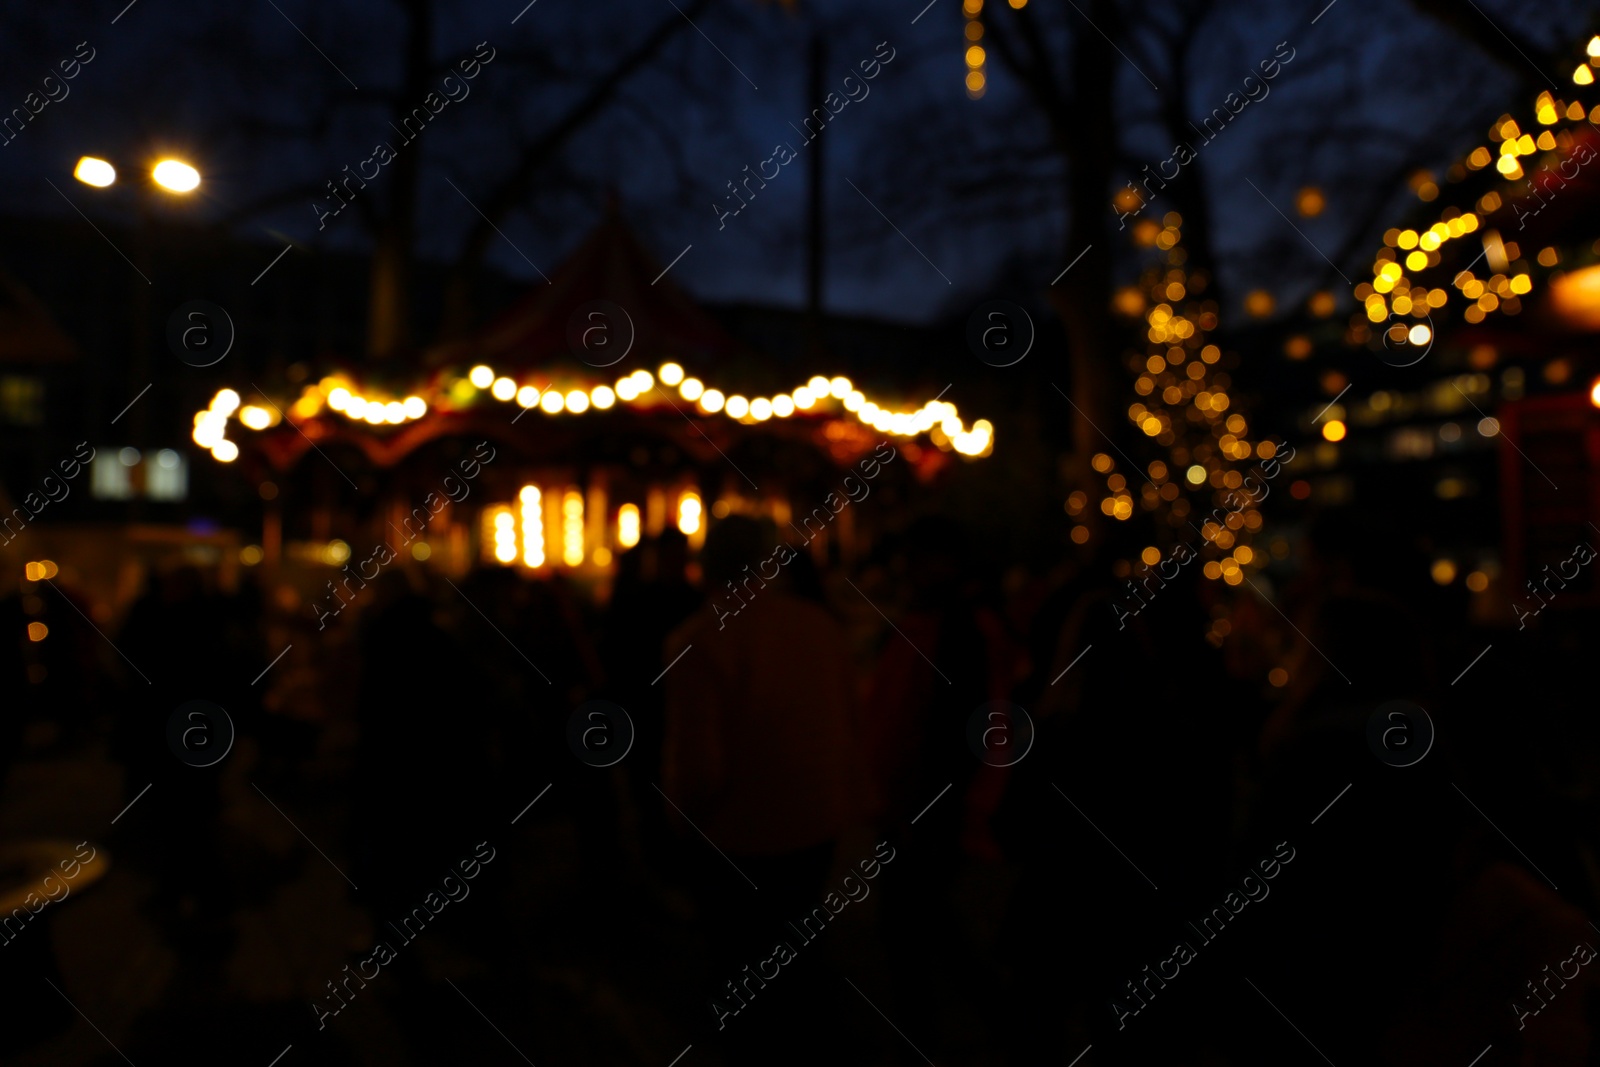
<point>338,399</point>
<point>975,81</point>
<point>95,172</point>
<point>503,389</point>
<point>628,388</point>
<point>782,406</point>
<point>628,525</point>
<point>572,528</point>
<point>225,451</point>
<point>737,407</point>
<point>1196,474</point>
<point>1419,335</point>
<point>481,376</point>
<point>551,402</point>
<point>37,631</point>
<point>577,401</point>
<point>1477,581</point>
<point>255,418</point>
<point>532,526</point>
<point>691,388</point>
<point>415,407</point>
<point>854,400</point>
<point>176,177</point>
<point>1583,75</point>
<point>761,409</point>
<point>356,407</point>
<point>1594,46</point>
<point>225,402</point>
<point>1594,393</point>
<point>1333,430</point>
<point>689,513</point>
<point>805,397</point>
<point>602,397</point>
<point>394,412</point>
<point>1310,202</point>
<point>642,377</point>
<point>975,56</point>
<point>840,388</point>
<point>1443,571</point>
<point>711,401</point>
<point>527,396</point>
<point>505,551</point>
<point>819,386</point>
<point>671,374</point>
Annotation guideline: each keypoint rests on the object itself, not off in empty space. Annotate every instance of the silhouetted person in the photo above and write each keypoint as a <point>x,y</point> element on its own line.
<point>651,597</point>
<point>761,757</point>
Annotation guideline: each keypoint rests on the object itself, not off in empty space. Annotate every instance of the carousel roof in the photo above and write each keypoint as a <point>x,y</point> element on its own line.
<point>612,266</point>
<point>610,334</point>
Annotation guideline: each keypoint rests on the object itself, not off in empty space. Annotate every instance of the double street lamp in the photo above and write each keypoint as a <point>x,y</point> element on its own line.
<point>172,175</point>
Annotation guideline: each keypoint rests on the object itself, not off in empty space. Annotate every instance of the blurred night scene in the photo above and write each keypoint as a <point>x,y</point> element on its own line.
<point>705,533</point>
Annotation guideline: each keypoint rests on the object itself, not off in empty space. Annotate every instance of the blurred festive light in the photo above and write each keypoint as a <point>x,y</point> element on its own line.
<point>628,525</point>
<point>1333,430</point>
<point>481,376</point>
<point>689,513</point>
<point>711,401</point>
<point>503,389</point>
<point>527,397</point>
<point>1477,581</point>
<point>1310,202</point>
<point>761,409</point>
<point>782,406</point>
<point>577,401</point>
<point>572,528</point>
<point>1278,677</point>
<point>255,418</point>
<point>551,403</point>
<point>532,520</point>
<point>671,374</point>
<point>415,407</point>
<point>96,172</point>
<point>737,407</point>
<point>175,177</point>
<point>691,388</point>
<point>38,631</point>
<point>1443,571</point>
<point>225,451</point>
<point>602,397</point>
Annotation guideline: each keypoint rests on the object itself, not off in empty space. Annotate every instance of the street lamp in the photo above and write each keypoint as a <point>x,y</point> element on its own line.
<point>172,175</point>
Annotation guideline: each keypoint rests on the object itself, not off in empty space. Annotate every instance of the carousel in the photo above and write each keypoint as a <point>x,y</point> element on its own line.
<point>602,407</point>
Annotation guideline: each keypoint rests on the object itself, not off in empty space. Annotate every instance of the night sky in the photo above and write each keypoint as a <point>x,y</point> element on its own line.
<point>244,95</point>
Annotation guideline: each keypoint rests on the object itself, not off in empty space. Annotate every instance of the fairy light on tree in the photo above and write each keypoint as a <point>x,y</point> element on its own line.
<point>1183,405</point>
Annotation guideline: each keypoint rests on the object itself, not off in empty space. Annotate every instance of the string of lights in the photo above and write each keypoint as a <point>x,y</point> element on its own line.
<point>1184,407</point>
<point>338,393</point>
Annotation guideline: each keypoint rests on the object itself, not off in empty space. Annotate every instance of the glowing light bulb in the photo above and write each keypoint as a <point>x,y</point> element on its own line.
<point>671,374</point>
<point>481,376</point>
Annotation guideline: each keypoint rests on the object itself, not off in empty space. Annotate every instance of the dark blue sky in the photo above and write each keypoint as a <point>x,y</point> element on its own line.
<point>247,98</point>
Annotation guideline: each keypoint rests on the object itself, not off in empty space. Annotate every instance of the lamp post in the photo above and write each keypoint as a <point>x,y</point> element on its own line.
<point>167,177</point>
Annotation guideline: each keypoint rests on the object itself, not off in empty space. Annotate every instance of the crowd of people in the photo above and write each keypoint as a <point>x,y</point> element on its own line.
<point>922,808</point>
